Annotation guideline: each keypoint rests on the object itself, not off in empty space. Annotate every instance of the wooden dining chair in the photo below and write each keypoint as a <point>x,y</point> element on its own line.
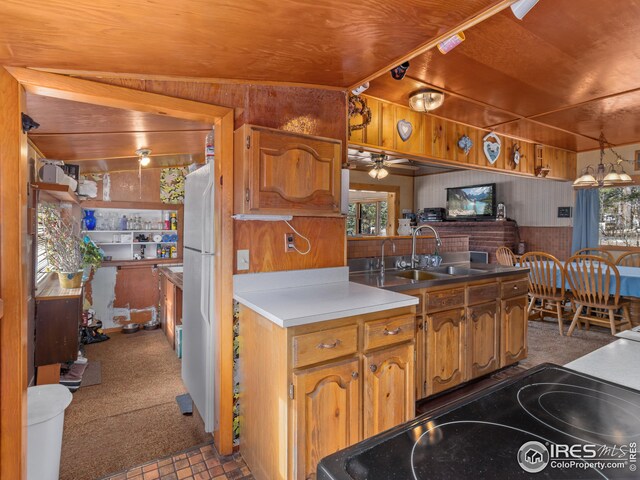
<point>591,279</point>
<point>629,259</point>
<point>546,285</point>
<point>597,252</point>
<point>505,256</point>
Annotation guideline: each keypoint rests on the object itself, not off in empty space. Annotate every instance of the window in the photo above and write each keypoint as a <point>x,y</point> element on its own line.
<point>367,218</point>
<point>620,216</point>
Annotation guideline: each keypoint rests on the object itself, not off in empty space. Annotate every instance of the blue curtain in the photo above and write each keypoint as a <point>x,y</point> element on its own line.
<point>586,219</point>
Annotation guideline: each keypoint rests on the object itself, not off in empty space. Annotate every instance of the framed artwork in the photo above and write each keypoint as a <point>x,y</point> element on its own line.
<point>636,160</point>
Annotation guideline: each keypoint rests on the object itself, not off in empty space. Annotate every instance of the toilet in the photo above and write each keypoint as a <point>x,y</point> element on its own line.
<point>45,419</point>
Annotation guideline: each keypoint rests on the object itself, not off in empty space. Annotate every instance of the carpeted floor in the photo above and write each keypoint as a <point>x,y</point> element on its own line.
<point>546,344</point>
<point>132,416</point>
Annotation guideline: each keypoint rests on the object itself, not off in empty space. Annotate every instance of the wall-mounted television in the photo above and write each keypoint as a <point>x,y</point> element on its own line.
<point>476,202</point>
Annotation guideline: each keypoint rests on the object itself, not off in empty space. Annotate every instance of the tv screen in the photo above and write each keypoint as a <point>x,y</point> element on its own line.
<point>477,202</point>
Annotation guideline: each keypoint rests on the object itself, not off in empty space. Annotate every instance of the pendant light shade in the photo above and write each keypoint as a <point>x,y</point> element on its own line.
<point>522,7</point>
<point>426,100</point>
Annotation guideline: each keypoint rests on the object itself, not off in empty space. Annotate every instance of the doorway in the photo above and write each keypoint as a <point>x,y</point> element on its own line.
<point>14,236</point>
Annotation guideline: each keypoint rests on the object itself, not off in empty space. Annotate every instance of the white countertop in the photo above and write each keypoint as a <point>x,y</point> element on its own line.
<point>301,297</point>
<point>617,362</point>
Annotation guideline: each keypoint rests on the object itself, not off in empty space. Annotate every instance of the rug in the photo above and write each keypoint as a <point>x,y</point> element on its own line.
<point>92,375</point>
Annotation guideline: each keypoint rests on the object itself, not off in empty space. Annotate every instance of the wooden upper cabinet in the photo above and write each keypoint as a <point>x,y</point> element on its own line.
<point>278,172</point>
<point>326,413</point>
<point>388,388</point>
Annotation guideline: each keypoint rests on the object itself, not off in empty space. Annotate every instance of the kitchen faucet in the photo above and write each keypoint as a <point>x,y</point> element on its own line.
<point>393,248</point>
<point>414,258</point>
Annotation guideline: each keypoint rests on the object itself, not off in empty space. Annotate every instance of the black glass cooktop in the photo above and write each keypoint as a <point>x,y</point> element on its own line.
<point>549,422</point>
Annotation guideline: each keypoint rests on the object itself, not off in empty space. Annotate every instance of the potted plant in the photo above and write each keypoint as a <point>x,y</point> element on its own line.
<point>62,245</point>
<point>92,256</point>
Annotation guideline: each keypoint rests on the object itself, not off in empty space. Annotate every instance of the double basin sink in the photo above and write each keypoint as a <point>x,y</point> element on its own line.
<point>436,273</point>
<point>399,280</point>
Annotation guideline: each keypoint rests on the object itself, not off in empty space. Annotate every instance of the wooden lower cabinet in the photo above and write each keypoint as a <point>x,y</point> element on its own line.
<point>312,390</point>
<point>468,330</point>
<point>513,334</point>
<point>445,350</point>
<point>170,308</point>
<point>483,338</point>
<point>389,398</point>
<point>326,413</point>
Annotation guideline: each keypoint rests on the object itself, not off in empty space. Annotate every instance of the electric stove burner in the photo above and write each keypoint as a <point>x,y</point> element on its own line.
<point>583,413</point>
<point>488,435</point>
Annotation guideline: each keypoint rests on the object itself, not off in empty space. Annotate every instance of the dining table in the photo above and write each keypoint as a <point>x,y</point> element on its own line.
<point>629,287</point>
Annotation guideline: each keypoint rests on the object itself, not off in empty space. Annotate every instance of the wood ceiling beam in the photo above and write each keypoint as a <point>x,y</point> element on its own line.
<point>127,132</point>
<point>465,25</point>
<point>79,90</point>
<point>178,78</point>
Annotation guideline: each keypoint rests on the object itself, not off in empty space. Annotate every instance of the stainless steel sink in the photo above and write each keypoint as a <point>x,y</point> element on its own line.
<point>453,270</point>
<point>419,275</point>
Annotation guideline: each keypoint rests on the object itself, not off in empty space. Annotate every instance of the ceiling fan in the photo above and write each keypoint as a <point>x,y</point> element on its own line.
<point>378,162</point>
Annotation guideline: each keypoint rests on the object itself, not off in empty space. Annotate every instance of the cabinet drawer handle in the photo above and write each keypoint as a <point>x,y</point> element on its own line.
<point>329,345</point>
<point>354,375</point>
<point>373,368</point>
<point>515,287</point>
<point>395,331</point>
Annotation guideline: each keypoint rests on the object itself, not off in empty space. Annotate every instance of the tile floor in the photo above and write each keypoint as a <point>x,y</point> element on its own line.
<point>198,463</point>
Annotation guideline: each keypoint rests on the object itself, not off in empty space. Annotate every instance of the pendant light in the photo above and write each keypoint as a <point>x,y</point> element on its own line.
<point>604,174</point>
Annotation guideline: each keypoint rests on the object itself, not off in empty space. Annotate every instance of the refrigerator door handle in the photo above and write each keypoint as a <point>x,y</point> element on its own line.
<point>205,219</point>
<point>205,279</point>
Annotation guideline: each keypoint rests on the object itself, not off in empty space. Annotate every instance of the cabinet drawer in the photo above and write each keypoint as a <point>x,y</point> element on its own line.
<point>388,331</point>
<point>317,347</point>
<point>515,288</point>
<point>444,299</point>
<point>483,293</point>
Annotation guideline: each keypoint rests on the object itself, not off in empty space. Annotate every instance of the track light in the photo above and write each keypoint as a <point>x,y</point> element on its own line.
<point>522,7</point>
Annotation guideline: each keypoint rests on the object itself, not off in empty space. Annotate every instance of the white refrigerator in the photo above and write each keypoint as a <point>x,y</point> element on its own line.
<point>199,325</point>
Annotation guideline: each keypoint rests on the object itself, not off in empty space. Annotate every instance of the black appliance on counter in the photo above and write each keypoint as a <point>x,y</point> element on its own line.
<point>432,215</point>
<point>525,420</point>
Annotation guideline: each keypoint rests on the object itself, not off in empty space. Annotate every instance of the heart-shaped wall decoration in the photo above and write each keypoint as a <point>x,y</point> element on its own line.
<point>491,147</point>
<point>405,129</point>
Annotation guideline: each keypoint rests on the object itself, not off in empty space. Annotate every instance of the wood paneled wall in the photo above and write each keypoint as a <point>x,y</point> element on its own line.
<point>265,242</point>
<point>125,186</point>
<point>437,139</point>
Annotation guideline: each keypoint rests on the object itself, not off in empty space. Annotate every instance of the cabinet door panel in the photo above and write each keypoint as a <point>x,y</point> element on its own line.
<point>326,413</point>
<point>293,172</point>
<point>388,390</point>
<point>445,352</point>
<point>513,343</point>
<point>484,336</point>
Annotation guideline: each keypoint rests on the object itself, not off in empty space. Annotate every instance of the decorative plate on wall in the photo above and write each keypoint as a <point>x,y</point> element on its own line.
<point>491,147</point>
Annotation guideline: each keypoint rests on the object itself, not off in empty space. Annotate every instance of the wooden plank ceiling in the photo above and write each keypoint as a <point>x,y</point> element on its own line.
<point>105,139</point>
<point>558,77</point>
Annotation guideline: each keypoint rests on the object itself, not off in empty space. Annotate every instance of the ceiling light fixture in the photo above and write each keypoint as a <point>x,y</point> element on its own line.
<point>426,100</point>
<point>143,156</point>
<point>604,174</point>
<point>522,7</point>
<point>378,171</point>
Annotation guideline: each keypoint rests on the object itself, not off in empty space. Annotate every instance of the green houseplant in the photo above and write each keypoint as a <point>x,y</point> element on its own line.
<point>67,252</point>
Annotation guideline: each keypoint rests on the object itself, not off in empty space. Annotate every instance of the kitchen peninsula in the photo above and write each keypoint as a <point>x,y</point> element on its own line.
<point>328,360</point>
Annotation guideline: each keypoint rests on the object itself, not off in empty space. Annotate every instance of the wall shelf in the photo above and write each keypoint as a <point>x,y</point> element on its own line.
<point>60,192</point>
